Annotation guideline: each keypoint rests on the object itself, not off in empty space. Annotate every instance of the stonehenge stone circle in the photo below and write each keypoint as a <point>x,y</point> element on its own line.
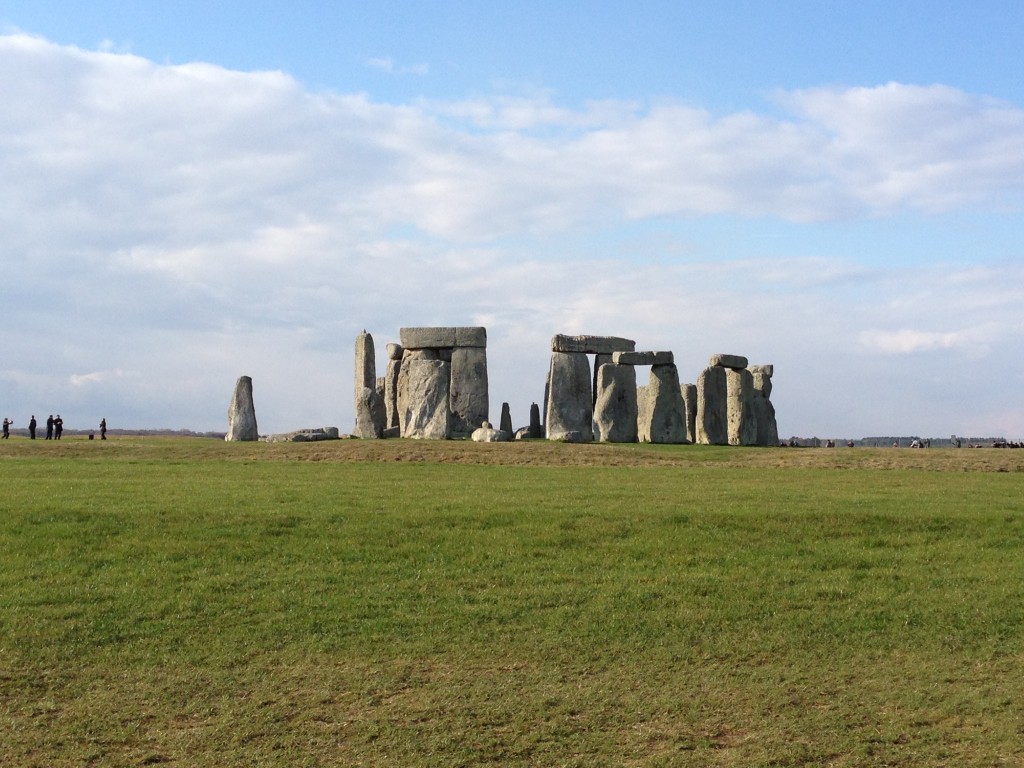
<point>242,413</point>
<point>615,412</point>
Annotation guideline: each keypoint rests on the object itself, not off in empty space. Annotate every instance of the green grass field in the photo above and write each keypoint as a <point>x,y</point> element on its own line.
<point>189,602</point>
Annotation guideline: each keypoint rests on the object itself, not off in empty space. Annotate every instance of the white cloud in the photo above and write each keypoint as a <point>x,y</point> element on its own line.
<point>168,228</point>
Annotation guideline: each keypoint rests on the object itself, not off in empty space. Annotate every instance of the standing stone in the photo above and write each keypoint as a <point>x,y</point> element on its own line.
<point>505,424</point>
<point>689,392</point>
<point>535,429</point>
<point>391,389</point>
<point>402,397</point>
<point>740,408</point>
<point>469,398</point>
<point>764,411</point>
<point>599,360</point>
<point>570,401</point>
<point>712,407</point>
<point>242,413</point>
<point>426,415</point>
<point>666,410</point>
<point>643,413</point>
<point>368,404</point>
<point>616,409</point>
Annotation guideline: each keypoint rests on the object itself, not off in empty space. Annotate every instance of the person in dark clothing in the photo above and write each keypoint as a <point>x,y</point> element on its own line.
<point>103,429</point>
<point>7,428</point>
<point>49,427</point>
<point>58,427</point>
<point>32,427</point>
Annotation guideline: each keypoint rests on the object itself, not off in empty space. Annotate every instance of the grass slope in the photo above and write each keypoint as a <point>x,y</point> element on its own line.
<point>198,603</point>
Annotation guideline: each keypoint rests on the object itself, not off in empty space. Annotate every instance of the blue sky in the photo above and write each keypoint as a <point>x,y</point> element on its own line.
<point>193,191</point>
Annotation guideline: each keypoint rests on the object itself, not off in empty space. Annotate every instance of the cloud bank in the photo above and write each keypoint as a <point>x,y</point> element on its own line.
<point>168,228</point>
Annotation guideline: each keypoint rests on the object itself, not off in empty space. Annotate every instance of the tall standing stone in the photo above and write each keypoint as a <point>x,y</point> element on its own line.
<point>764,411</point>
<point>369,406</point>
<point>712,407</point>
<point>643,414</point>
<point>689,392</point>
<point>427,415</point>
<point>402,399</point>
<point>242,413</point>
<point>570,399</point>
<point>395,352</point>
<point>469,398</point>
<point>616,409</point>
<point>666,410</point>
<point>740,409</point>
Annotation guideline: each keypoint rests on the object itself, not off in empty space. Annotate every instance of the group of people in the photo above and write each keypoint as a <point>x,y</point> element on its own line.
<point>54,428</point>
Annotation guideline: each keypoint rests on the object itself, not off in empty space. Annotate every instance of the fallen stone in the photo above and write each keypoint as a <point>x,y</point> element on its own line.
<point>736,362</point>
<point>615,412</point>
<point>242,413</point>
<point>488,434</point>
<point>570,404</point>
<point>592,345</point>
<point>305,435</point>
<point>643,358</point>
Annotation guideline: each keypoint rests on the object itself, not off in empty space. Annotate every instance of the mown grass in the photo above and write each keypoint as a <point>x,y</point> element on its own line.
<point>195,603</point>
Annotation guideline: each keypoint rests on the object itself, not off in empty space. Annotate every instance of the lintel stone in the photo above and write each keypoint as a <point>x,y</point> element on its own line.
<point>443,338</point>
<point>643,358</point>
<point>591,345</point>
<point>736,362</point>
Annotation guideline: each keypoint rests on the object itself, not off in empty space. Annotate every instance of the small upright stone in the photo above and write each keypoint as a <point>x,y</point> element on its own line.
<point>242,413</point>
<point>535,430</point>
<point>505,424</point>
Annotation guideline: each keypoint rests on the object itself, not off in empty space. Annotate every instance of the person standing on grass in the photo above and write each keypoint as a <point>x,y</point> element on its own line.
<point>103,429</point>
<point>58,427</point>
<point>32,427</point>
<point>7,428</point>
<point>49,427</point>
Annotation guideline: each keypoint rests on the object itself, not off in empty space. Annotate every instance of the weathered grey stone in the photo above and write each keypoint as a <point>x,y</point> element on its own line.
<point>616,408</point>
<point>366,363</point>
<point>570,404</point>
<point>391,389</point>
<point>395,351</point>
<point>689,392</point>
<point>764,411</point>
<point>592,345</point>
<point>370,414</point>
<point>535,429</point>
<point>438,338</point>
<point>736,362</point>
<point>666,410</point>
<point>740,410</point>
<point>573,436</point>
<point>712,407</point>
<point>767,369</point>
<point>643,358</point>
<point>305,435</point>
<point>505,423</point>
<point>488,434</point>
<point>469,399</point>
<point>599,360</point>
<point>242,413</point>
<point>427,414</point>
<point>643,414</point>
<point>402,398</point>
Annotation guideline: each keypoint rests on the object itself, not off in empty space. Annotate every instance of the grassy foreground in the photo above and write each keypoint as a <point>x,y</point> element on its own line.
<point>187,602</point>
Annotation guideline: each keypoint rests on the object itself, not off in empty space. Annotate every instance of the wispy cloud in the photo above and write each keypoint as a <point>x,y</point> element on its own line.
<point>178,226</point>
<point>387,64</point>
